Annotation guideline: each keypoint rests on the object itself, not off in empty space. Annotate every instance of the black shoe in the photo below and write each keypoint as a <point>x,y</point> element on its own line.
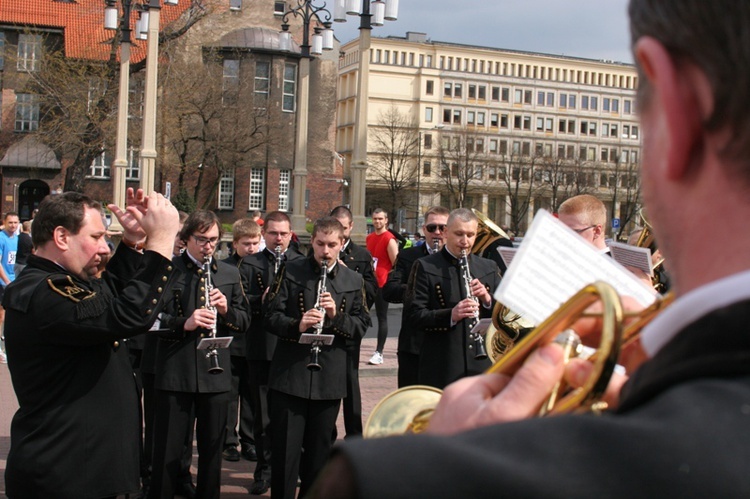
<point>186,490</point>
<point>231,454</point>
<point>259,487</point>
<point>249,453</point>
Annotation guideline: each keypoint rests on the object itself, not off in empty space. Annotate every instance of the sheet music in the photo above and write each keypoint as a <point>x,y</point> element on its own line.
<point>632,256</point>
<point>507,254</point>
<point>553,264</point>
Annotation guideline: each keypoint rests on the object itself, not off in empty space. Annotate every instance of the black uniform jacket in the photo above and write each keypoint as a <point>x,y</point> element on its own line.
<point>409,338</point>
<point>180,367</point>
<point>77,428</point>
<point>257,274</point>
<point>295,291</point>
<point>239,343</point>
<point>359,260</point>
<point>681,430</point>
<point>435,287</point>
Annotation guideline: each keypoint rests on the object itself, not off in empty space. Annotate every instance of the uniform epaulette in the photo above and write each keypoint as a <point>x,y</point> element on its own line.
<point>88,303</point>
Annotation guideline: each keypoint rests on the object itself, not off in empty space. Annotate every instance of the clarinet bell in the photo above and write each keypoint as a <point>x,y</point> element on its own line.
<point>314,364</point>
<point>213,361</point>
<point>480,353</point>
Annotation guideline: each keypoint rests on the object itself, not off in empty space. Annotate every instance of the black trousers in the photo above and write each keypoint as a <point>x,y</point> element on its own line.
<point>258,371</point>
<point>176,412</point>
<point>408,369</point>
<point>240,405</point>
<point>353,401</point>
<point>381,309</point>
<point>299,423</point>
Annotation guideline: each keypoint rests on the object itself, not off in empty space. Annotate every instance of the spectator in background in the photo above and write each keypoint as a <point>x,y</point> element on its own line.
<point>24,247</point>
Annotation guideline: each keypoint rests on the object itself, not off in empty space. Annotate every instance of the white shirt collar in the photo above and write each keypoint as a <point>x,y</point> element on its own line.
<point>691,307</point>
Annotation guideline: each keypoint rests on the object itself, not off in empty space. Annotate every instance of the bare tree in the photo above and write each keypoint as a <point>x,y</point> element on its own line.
<point>462,160</point>
<point>625,185</point>
<point>78,99</point>
<point>518,174</point>
<point>395,142</point>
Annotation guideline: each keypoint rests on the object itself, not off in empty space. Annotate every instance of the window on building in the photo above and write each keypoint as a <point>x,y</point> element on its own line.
<point>495,94</point>
<point>27,113</point>
<point>493,146</point>
<point>482,92</point>
<point>428,114</point>
<point>429,87</point>
<point>503,147</point>
<point>285,177</point>
<point>540,98</point>
<point>290,88</point>
<point>426,168</point>
<point>505,95</point>
<point>571,101</point>
<point>226,190</point>
<point>584,102</point>
<point>427,139</point>
<point>526,149</point>
<point>230,82</point>
<point>235,5</point>
<point>456,116</point>
<point>627,106</point>
<point>262,77</point>
<point>527,122</point>
<point>29,52</point>
<point>634,132</point>
<point>458,90</point>
<point>540,124</point>
<point>480,118</point>
<point>470,117</point>
<point>518,96</point>
<point>257,189</point>
<point>563,100</point>
<point>279,8</point>
<point>448,90</point>
<point>605,104</point>
<point>594,103</point>
<point>133,169</point>
<point>472,91</point>
<point>550,99</point>
<point>527,96</point>
<point>100,167</point>
<point>503,121</point>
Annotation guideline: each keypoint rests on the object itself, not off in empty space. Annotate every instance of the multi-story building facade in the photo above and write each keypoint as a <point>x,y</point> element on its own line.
<point>232,53</point>
<point>506,132</point>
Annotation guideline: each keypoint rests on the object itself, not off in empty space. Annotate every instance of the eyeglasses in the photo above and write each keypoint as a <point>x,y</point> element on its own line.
<point>433,227</point>
<point>203,240</point>
<point>579,231</point>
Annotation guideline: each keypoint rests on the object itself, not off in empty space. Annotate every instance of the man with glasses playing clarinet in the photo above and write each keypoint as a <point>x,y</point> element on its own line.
<point>678,427</point>
<point>191,388</point>
<point>410,339</point>
<point>257,272</point>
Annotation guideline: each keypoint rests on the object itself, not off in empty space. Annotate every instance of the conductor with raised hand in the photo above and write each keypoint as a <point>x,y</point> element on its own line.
<point>76,431</point>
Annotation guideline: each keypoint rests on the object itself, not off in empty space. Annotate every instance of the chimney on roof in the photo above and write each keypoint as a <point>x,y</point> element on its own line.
<point>413,36</point>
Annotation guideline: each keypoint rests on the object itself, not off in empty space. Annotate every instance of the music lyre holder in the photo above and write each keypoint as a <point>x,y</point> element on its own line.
<point>321,339</point>
<point>215,343</point>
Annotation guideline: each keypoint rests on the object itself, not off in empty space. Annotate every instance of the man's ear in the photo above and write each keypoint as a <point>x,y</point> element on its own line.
<point>61,237</point>
<point>677,94</point>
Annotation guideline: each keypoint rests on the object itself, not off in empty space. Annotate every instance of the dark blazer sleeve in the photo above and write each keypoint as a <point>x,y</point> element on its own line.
<point>277,320</point>
<point>395,287</point>
<point>419,311</point>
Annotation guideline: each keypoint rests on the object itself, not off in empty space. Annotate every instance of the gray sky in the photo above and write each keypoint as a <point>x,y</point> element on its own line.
<point>595,29</point>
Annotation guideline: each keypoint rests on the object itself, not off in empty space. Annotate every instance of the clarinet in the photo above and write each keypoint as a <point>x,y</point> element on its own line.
<point>277,263</point>
<point>314,364</point>
<point>479,351</point>
<point>213,354</point>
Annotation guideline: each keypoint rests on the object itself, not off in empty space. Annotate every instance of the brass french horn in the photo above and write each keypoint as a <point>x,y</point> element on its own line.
<point>487,233</point>
<point>408,410</point>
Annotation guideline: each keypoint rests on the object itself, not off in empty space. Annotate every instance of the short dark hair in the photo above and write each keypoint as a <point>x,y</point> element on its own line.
<point>342,212</point>
<point>277,216</point>
<point>712,36</point>
<point>10,214</point>
<point>328,225</point>
<point>200,221</point>
<point>63,210</point>
<point>436,210</point>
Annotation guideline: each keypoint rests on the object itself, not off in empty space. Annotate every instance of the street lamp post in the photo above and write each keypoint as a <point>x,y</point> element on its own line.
<point>121,142</point>
<point>322,39</point>
<point>381,11</point>
<point>148,145</point>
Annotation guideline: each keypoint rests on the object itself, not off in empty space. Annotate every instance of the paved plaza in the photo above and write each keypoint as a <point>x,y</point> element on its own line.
<point>376,382</point>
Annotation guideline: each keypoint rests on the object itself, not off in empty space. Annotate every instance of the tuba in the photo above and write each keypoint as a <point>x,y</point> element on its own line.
<point>487,233</point>
<point>408,410</point>
<point>646,240</point>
